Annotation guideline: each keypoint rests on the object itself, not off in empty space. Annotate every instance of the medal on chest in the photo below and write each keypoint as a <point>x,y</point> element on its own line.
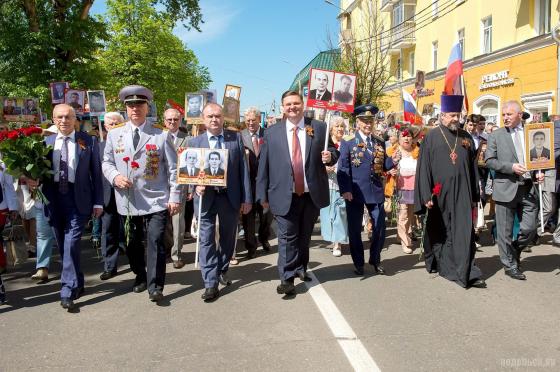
<point>119,148</point>
<point>378,159</point>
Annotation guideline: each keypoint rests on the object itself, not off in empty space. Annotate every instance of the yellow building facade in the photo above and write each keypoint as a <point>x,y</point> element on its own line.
<point>508,50</point>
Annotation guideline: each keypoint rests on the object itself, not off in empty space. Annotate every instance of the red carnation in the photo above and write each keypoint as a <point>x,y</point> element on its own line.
<point>437,189</point>
<point>134,165</point>
<point>13,134</point>
<point>405,133</point>
<point>397,126</point>
<point>126,159</point>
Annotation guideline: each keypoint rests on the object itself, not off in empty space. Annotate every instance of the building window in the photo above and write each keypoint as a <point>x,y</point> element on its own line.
<point>435,9</point>
<point>399,69</point>
<point>349,22</point>
<point>490,111</point>
<point>542,16</point>
<point>412,67</point>
<point>398,13</point>
<point>434,55</point>
<point>487,35</point>
<point>461,37</point>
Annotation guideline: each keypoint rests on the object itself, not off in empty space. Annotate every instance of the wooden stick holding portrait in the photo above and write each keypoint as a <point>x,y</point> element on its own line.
<point>539,153</point>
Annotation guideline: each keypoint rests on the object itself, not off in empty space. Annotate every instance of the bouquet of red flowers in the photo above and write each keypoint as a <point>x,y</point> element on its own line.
<point>127,223</point>
<point>24,154</point>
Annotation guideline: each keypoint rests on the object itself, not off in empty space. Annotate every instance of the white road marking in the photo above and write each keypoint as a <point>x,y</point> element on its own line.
<point>356,353</point>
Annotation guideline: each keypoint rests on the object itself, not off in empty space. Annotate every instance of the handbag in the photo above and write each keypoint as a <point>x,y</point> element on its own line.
<point>480,217</point>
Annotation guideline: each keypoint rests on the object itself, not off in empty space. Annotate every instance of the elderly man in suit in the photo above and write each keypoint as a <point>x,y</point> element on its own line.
<point>111,225</point>
<point>252,140</point>
<point>321,93</point>
<point>513,188</point>
<point>74,193</point>
<point>224,203</point>
<point>175,227</point>
<point>360,168</point>
<point>292,181</point>
<point>141,162</point>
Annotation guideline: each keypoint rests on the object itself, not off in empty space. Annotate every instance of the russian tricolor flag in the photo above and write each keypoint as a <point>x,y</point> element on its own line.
<point>454,82</point>
<point>410,111</point>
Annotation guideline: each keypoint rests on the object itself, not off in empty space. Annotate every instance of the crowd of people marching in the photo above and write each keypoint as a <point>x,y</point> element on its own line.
<point>433,180</point>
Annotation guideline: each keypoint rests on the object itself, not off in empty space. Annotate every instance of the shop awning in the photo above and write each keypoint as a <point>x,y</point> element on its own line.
<point>324,60</point>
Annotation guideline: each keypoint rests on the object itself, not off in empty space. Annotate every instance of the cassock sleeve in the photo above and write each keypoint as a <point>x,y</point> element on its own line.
<point>423,182</point>
<point>475,178</point>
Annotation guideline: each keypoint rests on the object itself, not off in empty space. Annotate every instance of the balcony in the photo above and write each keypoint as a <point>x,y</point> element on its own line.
<point>402,37</point>
<point>387,5</point>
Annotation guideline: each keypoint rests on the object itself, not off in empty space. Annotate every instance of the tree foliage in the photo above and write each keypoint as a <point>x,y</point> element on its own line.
<point>59,40</point>
<point>143,50</point>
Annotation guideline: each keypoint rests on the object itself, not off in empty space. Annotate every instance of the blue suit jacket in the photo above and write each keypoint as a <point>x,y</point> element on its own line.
<point>365,187</point>
<point>275,180</point>
<point>238,185</point>
<point>88,183</point>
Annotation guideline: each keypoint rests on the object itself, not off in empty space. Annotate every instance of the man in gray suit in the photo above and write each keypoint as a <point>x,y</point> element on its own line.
<point>110,220</point>
<point>551,185</point>
<point>175,227</point>
<point>252,140</point>
<point>513,188</point>
<point>141,162</point>
<point>224,203</point>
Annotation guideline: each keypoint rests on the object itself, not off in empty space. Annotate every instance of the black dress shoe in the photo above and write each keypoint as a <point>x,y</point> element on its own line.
<point>286,287</point>
<point>210,294</point>
<point>266,246</point>
<point>527,250</point>
<point>106,275</point>
<point>379,269</point>
<point>251,254</point>
<point>67,303</point>
<point>178,264</point>
<point>224,279</point>
<point>515,274</point>
<point>477,283</point>
<point>359,271</point>
<point>156,296</point>
<point>304,277</point>
<point>139,287</point>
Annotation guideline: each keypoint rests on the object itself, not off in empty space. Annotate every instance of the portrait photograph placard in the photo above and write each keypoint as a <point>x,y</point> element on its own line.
<point>201,166</point>
<point>75,98</point>
<point>539,146</point>
<point>331,90</point>
<point>96,101</point>
<point>194,103</point>
<point>211,95</point>
<point>232,91</point>
<point>231,110</point>
<point>20,109</point>
<point>58,89</point>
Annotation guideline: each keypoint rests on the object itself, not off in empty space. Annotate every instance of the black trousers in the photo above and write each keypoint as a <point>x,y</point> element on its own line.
<point>189,213</point>
<point>248,220</point>
<point>110,235</point>
<point>294,235</point>
<point>154,272</point>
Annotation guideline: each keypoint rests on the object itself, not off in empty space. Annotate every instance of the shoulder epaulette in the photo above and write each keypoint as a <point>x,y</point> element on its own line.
<point>118,125</point>
<point>159,126</point>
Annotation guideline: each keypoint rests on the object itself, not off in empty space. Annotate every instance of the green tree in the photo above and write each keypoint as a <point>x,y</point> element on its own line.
<point>48,40</point>
<point>143,50</point>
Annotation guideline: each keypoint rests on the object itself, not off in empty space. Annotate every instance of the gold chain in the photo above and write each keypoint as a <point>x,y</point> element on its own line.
<point>446,141</point>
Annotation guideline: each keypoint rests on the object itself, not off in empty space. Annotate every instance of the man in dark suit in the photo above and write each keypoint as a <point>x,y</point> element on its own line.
<point>214,161</point>
<point>111,226</point>
<point>252,140</point>
<point>292,181</point>
<point>321,93</point>
<point>360,169</point>
<point>539,152</point>
<point>224,203</point>
<point>513,188</point>
<point>74,193</point>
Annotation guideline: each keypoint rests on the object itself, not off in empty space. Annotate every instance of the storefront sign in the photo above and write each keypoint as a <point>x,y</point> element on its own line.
<point>425,92</point>
<point>495,80</point>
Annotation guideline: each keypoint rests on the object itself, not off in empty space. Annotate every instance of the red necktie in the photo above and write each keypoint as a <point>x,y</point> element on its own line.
<point>256,144</point>
<point>297,164</point>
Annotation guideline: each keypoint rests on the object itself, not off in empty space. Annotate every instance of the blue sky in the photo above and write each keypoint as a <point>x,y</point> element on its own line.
<point>259,45</point>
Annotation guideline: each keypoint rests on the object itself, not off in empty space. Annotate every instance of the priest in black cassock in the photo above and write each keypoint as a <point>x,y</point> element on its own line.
<point>448,156</point>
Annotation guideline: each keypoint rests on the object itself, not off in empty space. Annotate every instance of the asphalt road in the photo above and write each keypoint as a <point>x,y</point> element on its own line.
<point>408,320</point>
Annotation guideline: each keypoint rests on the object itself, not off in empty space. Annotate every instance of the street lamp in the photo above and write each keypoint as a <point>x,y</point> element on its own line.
<point>343,11</point>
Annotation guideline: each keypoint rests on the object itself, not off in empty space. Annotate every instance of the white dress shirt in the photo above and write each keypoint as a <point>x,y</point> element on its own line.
<point>518,130</point>
<point>133,128</point>
<point>71,156</point>
<point>301,137</point>
<point>214,142</point>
